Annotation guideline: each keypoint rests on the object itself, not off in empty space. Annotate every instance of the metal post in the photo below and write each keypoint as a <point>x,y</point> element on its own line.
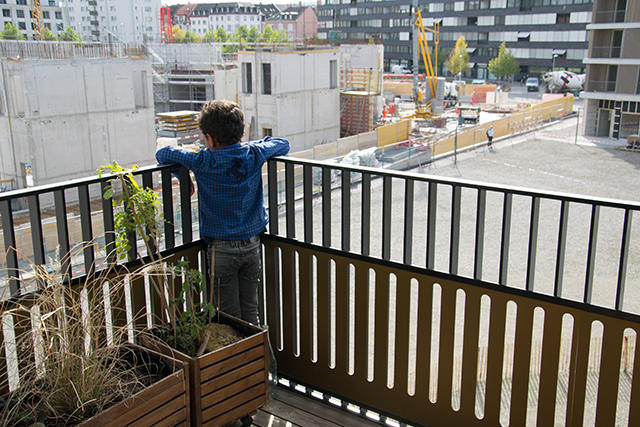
<point>455,143</point>
<point>414,66</point>
<point>577,125</point>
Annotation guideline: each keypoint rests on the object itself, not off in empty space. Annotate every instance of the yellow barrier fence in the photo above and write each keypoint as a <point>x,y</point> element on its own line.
<point>529,118</point>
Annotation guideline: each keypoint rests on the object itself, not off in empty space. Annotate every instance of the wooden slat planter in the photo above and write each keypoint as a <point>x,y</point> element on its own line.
<point>230,382</point>
<point>164,403</point>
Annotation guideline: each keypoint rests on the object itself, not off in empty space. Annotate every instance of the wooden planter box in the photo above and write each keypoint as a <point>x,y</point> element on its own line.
<point>164,403</point>
<point>228,383</point>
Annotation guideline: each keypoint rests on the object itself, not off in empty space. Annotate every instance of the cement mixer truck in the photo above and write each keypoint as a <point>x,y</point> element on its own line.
<point>563,81</point>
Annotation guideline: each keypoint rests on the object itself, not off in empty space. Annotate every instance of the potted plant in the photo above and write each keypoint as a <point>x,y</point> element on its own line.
<point>228,374</point>
<point>67,364</point>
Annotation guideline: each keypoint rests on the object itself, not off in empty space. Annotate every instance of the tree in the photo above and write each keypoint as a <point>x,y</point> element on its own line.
<point>242,34</point>
<point>178,34</point>
<point>11,32</point>
<point>48,35</point>
<point>69,35</point>
<point>190,37</point>
<point>222,35</point>
<point>253,35</point>
<point>282,36</point>
<point>268,34</point>
<point>458,61</point>
<point>209,36</point>
<point>504,65</point>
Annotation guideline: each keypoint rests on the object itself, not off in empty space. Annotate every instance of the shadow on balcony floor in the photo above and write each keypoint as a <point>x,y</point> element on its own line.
<point>287,408</point>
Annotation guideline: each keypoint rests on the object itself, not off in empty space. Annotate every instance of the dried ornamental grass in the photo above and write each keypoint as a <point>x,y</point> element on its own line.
<point>68,356</point>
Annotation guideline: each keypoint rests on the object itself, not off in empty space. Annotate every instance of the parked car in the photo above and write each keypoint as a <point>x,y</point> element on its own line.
<point>532,84</point>
<point>400,69</point>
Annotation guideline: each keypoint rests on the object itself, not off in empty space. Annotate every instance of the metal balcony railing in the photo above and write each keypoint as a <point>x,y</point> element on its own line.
<point>608,16</point>
<point>605,52</point>
<point>427,300</point>
<point>601,85</point>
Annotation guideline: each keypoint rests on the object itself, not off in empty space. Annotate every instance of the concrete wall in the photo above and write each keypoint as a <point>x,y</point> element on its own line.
<point>226,84</point>
<point>362,56</point>
<point>301,107</point>
<point>68,117</point>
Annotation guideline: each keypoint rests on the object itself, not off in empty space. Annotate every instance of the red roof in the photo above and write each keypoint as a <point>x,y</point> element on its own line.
<point>186,9</point>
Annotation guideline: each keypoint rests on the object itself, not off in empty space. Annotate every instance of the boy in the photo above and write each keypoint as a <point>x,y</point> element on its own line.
<point>232,213</point>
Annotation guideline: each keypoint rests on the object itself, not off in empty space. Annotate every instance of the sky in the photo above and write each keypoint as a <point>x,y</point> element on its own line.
<point>279,2</point>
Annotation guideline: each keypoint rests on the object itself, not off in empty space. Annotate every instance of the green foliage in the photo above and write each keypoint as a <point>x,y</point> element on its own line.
<point>209,36</point>
<point>282,36</point>
<point>69,35</point>
<point>190,37</point>
<point>241,34</point>
<point>222,35</point>
<point>188,330</point>
<point>504,64</point>
<point>458,61</point>
<point>268,34</point>
<point>178,34</point>
<point>48,35</point>
<point>11,32</point>
<point>253,35</point>
<point>137,209</point>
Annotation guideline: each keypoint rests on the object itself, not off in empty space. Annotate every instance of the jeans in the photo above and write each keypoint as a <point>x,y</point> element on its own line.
<point>236,276</point>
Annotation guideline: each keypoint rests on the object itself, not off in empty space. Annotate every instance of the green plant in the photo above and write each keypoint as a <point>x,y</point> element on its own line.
<point>187,323</point>
<point>10,32</point>
<point>137,209</point>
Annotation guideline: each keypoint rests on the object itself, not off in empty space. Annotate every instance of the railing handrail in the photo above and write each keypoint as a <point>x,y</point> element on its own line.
<point>94,179</point>
<point>513,189</point>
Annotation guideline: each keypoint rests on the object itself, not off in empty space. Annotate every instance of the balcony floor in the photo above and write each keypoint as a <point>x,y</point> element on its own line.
<point>287,408</point>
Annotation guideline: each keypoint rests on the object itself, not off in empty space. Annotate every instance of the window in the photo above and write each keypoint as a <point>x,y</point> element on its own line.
<point>246,78</point>
<point>45,14</point>
<point>20,13</point>
<point>22,2</point>
<point>267,131</point>
<point>47,25</point>
<point>22,26</point>
<point>562,18</point>
<point>638,83</point>
<point>60,27</point>
<point>333,74</point>
<point>472,20</point>
<point>499,20</point>
<point>6,13</point>
<point>266,79</point>
<point>58,15</point>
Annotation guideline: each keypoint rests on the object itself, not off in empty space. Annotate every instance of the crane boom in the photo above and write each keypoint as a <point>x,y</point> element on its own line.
<point>36,18</point>
<point>422,109</point>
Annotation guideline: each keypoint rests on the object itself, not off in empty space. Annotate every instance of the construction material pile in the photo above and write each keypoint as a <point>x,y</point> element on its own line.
<point>181,125</point>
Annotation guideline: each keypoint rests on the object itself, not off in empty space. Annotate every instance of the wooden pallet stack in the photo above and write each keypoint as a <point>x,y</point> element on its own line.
<point>182,125</point>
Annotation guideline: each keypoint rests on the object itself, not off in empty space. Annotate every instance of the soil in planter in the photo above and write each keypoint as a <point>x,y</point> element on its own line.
<point>134,370</point>
<point>220,335</point>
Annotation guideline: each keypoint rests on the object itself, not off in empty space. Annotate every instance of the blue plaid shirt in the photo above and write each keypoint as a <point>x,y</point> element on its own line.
<point>229,185</point>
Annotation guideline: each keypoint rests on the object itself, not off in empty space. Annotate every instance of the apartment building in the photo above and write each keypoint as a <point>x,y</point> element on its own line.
<point>612,87</point>
<point>18,13</point>
<point>128,21</point>
<point>229,16</point>
<point>300,23</point>
<point>539,33</point>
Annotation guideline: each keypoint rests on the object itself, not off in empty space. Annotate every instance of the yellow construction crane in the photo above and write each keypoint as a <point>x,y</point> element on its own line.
<point>36,19</point>
<point>424,110</point>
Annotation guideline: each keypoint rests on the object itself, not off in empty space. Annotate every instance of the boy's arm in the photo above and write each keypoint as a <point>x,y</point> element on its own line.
<point>171,154</point>
<point>270,147</point>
